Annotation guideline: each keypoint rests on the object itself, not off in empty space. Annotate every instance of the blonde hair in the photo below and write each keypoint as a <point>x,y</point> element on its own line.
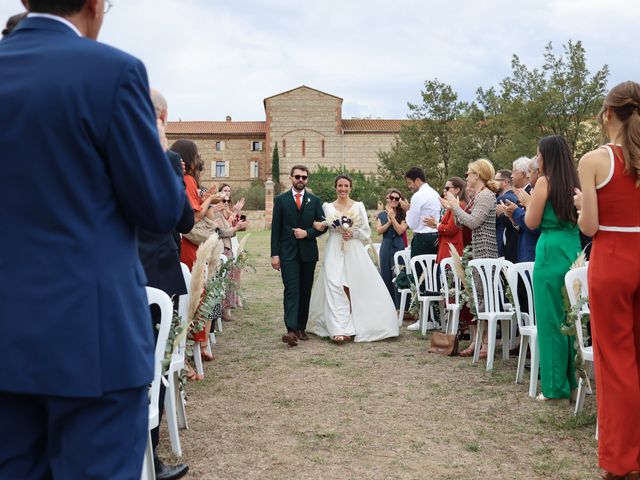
<point>486,172</point>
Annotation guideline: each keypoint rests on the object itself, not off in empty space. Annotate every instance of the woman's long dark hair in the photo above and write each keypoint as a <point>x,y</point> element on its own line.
<point>560,169</point>
<point>461,185</point>
<point>400,213</point>
<point>188,151</point>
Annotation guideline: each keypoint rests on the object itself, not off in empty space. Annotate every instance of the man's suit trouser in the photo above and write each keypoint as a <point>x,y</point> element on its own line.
<point>44,437</point>
<point>297,278</point>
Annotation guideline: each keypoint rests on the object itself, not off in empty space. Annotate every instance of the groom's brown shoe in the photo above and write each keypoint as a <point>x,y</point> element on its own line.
<point>302,335</point>
<point>290,339</point>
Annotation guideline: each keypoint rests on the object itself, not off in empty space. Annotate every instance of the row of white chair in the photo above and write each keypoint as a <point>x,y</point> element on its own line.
<point>174,402</point>
<point>494,308</point>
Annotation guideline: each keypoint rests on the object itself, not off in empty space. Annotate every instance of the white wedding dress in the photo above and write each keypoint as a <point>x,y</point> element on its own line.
<point>371,314</point>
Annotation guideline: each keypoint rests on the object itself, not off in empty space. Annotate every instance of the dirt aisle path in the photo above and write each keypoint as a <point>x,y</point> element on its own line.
<point>385,410</point>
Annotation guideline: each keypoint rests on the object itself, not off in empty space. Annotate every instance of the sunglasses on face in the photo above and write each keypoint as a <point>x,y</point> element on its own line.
<point>225,201</point>
<point>447,188</point>
<point>300,177</point>
<point>393,198</point>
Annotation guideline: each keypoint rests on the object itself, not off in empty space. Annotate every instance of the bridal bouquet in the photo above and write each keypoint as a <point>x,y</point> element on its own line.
<point>344,223</point>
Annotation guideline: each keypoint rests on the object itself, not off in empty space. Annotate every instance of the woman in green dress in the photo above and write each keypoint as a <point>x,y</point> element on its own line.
<point>550,207</point>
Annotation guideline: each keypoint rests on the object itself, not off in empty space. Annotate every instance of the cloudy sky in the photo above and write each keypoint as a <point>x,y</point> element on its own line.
<point>216,58</point>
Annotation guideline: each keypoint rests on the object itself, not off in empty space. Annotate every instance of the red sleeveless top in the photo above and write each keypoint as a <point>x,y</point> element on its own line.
<point>618,196</point>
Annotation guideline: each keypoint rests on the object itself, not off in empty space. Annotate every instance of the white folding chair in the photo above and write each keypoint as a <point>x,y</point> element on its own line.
<point>494,308</point>
<point>376,247</point>
<point>405,256</point>
<point>173,399</point>
<point>158,297</point>
<point>452,302</point>
<point>526,323</point>
<point>577,286</point>
<point>425,273</point>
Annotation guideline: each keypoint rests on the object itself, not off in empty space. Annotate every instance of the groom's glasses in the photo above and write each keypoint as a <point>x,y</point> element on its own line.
<point>392,198</point>
<point>300,177</point>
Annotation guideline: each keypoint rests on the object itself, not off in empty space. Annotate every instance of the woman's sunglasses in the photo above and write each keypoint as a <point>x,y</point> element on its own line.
<point>394,198</point>
<point>225,201</point>
<point>447,188</point>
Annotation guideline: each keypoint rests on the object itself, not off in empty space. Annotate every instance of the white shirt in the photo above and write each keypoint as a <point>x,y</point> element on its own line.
<point>294,192</point>
<point>424,203</point>
<point>58,19</point>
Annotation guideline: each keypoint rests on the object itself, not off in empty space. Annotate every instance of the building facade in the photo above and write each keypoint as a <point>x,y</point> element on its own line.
<point>307,126</point>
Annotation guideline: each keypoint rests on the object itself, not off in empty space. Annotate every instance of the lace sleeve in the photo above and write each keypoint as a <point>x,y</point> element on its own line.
<point>481,210</point>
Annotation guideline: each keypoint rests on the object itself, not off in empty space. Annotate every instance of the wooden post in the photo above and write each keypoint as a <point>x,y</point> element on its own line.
<point>268,202</point>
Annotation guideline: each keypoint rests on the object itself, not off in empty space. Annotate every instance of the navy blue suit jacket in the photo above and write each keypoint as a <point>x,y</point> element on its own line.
<point>81,168</point>
<point>506,231</point>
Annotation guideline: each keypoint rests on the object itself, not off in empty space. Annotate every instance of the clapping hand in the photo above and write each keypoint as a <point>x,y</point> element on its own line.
<point>509,208</point>
<point>577,198</point>
<point>404,204</point>
<point>523,197</point>
<point>500,208</point>
<point>239,205</point>
<point>389,211</point>
<point>452,200</point>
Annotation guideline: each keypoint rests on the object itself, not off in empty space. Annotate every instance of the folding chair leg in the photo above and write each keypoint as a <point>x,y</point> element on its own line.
<point>219,321</point>
<point>491,336</point>
<point>403,304</point>
<point>506,338</point>
<point>535,367</point>
<point>148,470</point>
<point>455,320</point>
<point>524,344</point>
<point>181,411</point>
<point>197,358</point>
<point>478,341</point>
<point>582,391</point>
<point>170,408</point>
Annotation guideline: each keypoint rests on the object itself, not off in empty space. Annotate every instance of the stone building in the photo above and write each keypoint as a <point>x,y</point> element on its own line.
<point>308,127</point>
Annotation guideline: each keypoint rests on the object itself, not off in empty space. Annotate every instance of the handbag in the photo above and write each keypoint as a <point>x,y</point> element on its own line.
<point>444,344</point>
<point>201,231</point>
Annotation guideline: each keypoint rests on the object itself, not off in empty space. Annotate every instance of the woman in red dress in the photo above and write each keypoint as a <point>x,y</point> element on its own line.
<point>609,206</point>
<point>448,232</point>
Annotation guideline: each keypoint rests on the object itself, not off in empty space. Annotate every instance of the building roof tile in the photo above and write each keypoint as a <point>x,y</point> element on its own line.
<point>372,125</point>
<point>216,128</point>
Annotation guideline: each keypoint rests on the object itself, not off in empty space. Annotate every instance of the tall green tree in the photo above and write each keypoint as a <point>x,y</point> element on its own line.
<point>506,121</point>
<point>275,168</point>
<point>429,141</point>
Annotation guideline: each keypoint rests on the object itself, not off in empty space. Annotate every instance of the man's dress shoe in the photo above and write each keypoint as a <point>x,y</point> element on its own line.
<point>302,335</point>
<point>290,339</point>
<point>170,472</point>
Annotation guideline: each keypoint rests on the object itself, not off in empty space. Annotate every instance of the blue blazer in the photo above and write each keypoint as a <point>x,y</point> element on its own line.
<point>81,168</point>
<point>528,238</point>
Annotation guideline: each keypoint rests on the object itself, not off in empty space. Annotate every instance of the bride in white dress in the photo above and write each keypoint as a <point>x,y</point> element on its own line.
<point>349,299</point>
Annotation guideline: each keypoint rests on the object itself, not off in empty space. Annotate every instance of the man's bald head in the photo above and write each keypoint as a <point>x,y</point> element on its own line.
<point>159,105</point>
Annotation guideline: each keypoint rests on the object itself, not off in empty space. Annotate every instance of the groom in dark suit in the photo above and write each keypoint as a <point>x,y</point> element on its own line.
<point>82,167</point>
<point>294,251</point>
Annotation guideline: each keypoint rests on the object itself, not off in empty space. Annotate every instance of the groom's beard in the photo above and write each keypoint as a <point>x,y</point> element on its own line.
<point>299,186</point>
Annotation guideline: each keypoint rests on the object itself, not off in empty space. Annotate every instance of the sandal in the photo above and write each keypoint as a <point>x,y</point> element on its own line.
<point>467,352</point>
<point>338,339</point>
<point>193,375</point>
<point>206,356</point>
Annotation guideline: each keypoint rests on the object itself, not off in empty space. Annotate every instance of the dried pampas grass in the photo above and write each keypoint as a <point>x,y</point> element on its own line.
<point>457,263</point>
<point>200,273</point>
